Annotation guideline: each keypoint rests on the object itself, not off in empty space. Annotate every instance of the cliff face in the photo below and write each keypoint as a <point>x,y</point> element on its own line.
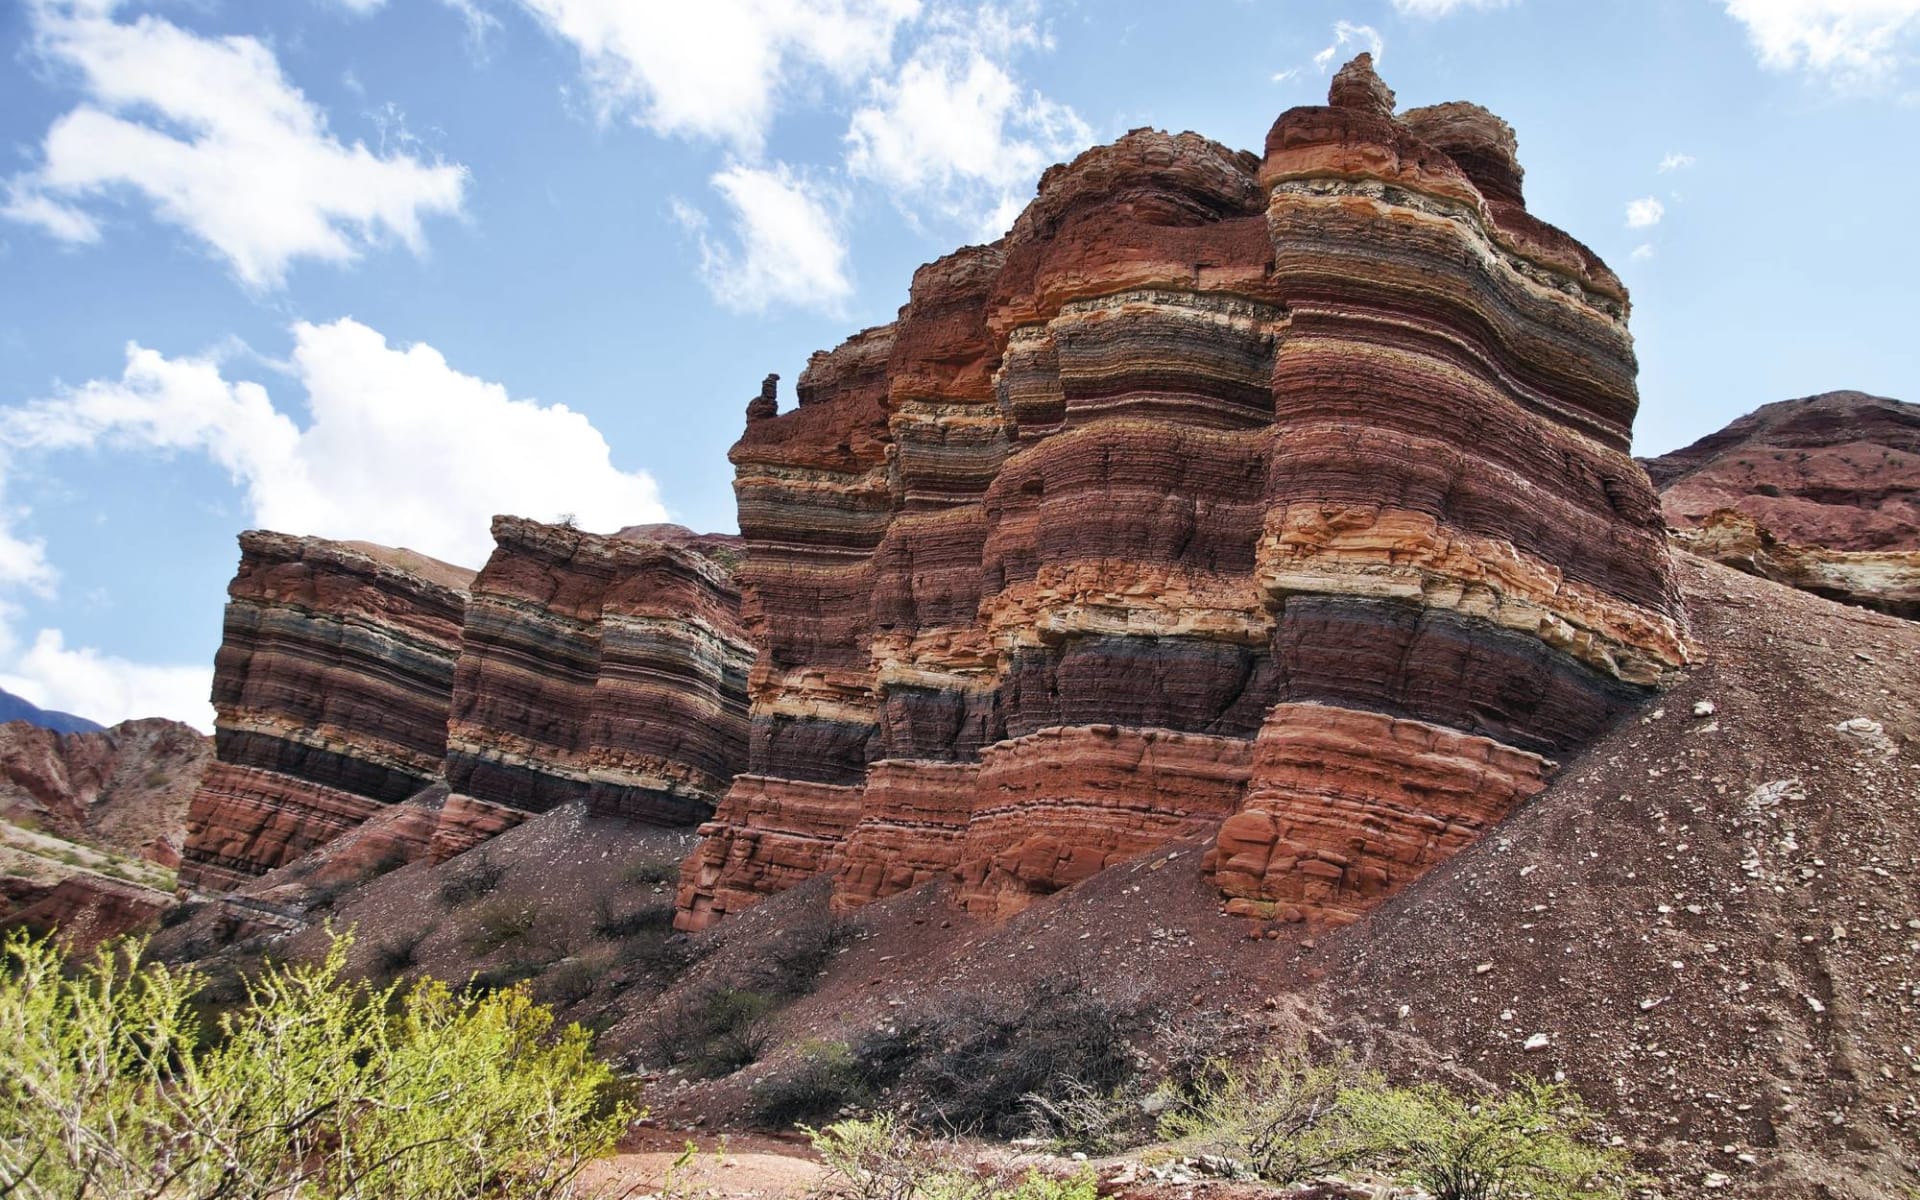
<point>1287,496</point>
<point>607,667</point>
<point>352,677</point>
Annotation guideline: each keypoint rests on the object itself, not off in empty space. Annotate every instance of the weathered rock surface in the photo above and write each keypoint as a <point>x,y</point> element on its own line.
<point>330,693</point>
<point>1838,471</point>
<point>610,668</point>
<point>1286,492</point>
<point>606,667</point>
<point>1886,581</point>
<point>126,788</point>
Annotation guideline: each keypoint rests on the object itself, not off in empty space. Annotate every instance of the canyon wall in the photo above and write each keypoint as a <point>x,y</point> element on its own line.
<point>353,677</point>
<point>1286,496</point>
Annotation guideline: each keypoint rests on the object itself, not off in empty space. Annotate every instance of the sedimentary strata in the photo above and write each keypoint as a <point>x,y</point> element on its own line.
<point>330,692</point>
<point>1284,495</point>
<point>574,665</point>
<point>610,667</point>
<point>1886,581</point>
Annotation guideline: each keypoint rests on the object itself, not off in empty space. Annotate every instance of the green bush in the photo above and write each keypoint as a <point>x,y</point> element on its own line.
<point>714,1031</point>
<point>498,922</point>
<point>1283,1117</point>
<point>317,1087</point>
<point>1522,1144</point>
<point>1288,1118</point>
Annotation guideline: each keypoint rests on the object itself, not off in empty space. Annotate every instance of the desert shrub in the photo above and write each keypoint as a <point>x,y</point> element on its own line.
<point>793,961</point>
<point>314,1088</point>
<point>1521,1144</point>
<point>1085,1119</point>
<point>1286,1117</point>
<point>473,881</point>
<point>612,926</point>
<point>714,1031</point>
<point>567,984</point>
<point>823,1079</point>
<point>498,922</point>
<point>398,953</point>
<point>650,870</point>
<point>881,1159</point>
<point>978,1061</point>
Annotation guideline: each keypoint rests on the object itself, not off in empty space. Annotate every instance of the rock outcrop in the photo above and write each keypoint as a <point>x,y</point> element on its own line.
<point>1287,496</point>
<point>125,789</point>
<point>354,677</point>
<point>330,693</point>
<point>1821,493</point>
<point>1838,471</point>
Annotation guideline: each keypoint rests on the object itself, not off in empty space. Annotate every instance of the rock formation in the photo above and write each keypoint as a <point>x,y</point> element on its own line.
<point>330,693</point>
<point>1840,471</point>
<point>1821,493</point>
<point>353,677</point>
<point>1287,496</point>
<point>124,788</point>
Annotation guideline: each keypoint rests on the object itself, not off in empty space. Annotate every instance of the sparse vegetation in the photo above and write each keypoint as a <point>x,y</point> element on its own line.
<point>311,1089</point>
<point>881,1159</point>
<point>823,1080</point>
<point>612,925</point>
<point>649,870</point>
<point>714,1031</point>
<point>1289,1118</point>
<point>568,983</point>
<point>474,881</point>
<point>499,922</point>
<point>977,1060</point>
<point>398,953</point>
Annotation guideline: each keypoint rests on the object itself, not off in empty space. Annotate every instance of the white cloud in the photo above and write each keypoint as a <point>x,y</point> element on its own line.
<point>23,559</point>
<point>788,246</point>
<point>218,142</point>
<point>1442,8</point>
<point>1643,251</point>
<point>360,7</point>
<point>1675,161</point>
<point>1854,44</point>
<point>400,447</point>
<point>1644,213</point>
<point>955,129</point>
<point>1345,34</point>
<point>102,688</point>
<point>714,69</point>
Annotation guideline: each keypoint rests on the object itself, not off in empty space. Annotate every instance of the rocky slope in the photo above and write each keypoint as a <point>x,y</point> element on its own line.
<point>1285,491</point>
<point>353,678</point>
<point>126,788</point>
<point>1820,493</point>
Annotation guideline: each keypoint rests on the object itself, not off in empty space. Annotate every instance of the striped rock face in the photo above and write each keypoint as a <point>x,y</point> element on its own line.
<point>330,693</point>
<point>612,668</point>
<point>1286,497</point>
<point>574,666</point>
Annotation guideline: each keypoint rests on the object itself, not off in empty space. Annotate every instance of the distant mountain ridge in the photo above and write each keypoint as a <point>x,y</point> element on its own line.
<point>13,708</point>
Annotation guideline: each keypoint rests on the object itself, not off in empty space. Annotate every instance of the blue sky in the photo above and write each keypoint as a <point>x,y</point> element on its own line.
<point>379,268</point>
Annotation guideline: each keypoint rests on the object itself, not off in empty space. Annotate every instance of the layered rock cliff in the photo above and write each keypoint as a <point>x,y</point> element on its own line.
<point>1283,495</point>
<point>352,677</point>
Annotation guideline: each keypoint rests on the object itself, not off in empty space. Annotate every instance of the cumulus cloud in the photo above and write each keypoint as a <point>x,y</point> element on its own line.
<point>1644,213</point>
<point>1643,251</point>
<point>216,140</point>
<point>104,688</point>
<point>787,244</point>
<point>1442,8</point>
<point>1853,44</point>
<point>1675,161</point>
<point>398,446</point>
<point>715,69</point>
<point>1346,34</point>
<point>954,128</point>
